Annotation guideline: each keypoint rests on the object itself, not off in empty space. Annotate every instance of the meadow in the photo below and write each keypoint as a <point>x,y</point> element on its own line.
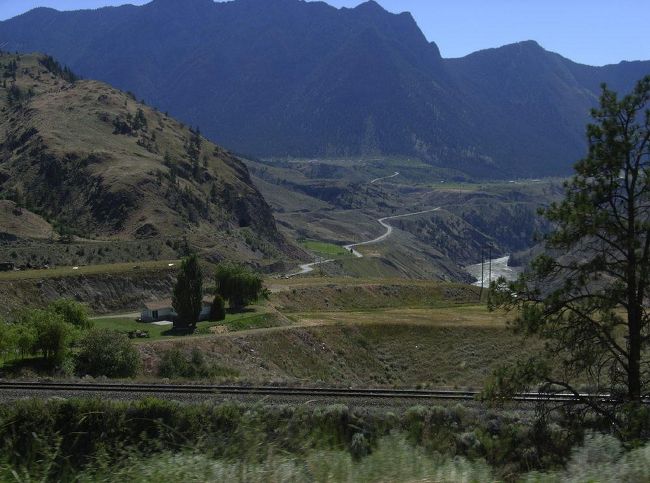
<point>325,249</point>
<point>255,318</point>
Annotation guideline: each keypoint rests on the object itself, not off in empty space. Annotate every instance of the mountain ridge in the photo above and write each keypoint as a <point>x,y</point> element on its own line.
<point>285,78</point>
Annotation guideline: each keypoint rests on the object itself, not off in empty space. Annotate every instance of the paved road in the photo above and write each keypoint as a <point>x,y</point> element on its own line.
<point>385,177</point>
<point>389,230</point>
<point>309,267</point>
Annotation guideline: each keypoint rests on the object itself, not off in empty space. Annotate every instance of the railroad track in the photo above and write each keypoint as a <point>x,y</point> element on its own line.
<point>187,389</point>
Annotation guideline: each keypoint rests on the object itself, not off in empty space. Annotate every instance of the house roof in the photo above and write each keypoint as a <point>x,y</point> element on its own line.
<point>167,303</point>
<point>158,304</point>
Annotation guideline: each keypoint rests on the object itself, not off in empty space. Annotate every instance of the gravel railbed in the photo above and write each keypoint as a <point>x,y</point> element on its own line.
<point>387,404</point>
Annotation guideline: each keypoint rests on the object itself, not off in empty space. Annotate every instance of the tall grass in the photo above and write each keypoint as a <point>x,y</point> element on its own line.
<point>95,438</point>
<point>601,458</point>
<point>393,460</point>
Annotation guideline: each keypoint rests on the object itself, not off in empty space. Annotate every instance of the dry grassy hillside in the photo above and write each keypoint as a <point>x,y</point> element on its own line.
<point>97,164</point>
<point>18,222</point>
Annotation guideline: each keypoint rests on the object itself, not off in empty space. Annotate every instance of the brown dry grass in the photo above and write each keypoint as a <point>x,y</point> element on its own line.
<point>129,172</point>
<point>114,268</point>
<point>366,354</point>
<point>467,316</point>
<point>23,223</point>
<point>351,294</point>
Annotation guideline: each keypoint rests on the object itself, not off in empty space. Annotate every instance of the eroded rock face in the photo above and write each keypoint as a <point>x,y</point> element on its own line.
<point>102,293</point>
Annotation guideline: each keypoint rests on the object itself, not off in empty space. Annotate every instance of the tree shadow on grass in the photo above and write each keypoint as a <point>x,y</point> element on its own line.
<point>178,332</point>
<point>25,367</point>
<point>245,310</point>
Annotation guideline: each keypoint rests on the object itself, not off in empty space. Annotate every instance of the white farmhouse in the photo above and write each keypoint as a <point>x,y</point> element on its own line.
<point>158,310</point>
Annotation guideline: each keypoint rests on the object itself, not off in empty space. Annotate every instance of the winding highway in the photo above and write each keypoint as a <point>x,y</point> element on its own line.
<point>309,267</point>
<point>385,177</point>
<point>389,230</point>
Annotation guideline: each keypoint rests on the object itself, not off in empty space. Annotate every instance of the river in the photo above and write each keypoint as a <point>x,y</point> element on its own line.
<point>500,268</point>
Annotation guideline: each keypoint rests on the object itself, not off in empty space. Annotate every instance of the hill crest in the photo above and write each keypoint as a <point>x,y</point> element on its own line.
<point>98,164</point>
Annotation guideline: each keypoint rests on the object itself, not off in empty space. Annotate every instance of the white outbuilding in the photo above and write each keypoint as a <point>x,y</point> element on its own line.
<point>158,310</point>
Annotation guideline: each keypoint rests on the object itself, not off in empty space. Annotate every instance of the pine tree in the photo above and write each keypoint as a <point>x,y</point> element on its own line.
<point>590,304</point>
<point>187,299</point>
<point>139,121</point>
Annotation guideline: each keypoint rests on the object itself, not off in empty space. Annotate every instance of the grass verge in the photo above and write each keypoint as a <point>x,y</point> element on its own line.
<point>233,323</point>
<point>88,270</point>
<point>325,249</point>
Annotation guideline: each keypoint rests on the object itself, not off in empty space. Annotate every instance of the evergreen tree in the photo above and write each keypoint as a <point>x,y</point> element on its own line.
<point>139,121</point>
<point>590,304</point>
<point>194,145</point>
<point>187,299</point>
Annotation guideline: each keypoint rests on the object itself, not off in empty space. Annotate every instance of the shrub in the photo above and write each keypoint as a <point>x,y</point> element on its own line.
<point>175,364</point>
<point>72,312</point>
<point>107,353</point>
<point>359,447</point>
<point>218,310</point>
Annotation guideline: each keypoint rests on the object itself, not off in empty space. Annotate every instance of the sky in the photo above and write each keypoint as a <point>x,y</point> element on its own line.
<point>594,32</point>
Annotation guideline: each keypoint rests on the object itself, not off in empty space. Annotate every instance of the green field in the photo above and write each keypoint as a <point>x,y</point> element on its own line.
<point>234,322</point>
<point>88,270</point>
<point>326,249</point>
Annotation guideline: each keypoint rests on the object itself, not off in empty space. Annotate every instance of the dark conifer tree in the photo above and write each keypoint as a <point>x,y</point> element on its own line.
<point>590,303</point>
<point>187,299</point>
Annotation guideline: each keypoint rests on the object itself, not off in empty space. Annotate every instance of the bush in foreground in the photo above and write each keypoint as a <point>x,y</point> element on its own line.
<point>88,435</point>
<point>393,460</point>
<point>107,353</point>
<point>175,364</point>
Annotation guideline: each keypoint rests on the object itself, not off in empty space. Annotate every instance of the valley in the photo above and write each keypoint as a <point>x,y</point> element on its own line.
<point>419,224</point>
<point>258,240</point>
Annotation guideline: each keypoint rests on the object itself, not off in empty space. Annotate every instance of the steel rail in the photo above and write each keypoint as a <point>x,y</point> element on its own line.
<point>379,393</point>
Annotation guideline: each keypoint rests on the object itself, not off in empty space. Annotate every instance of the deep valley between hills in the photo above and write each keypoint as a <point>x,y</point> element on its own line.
<point>270,195</point>
<point>117,244</point>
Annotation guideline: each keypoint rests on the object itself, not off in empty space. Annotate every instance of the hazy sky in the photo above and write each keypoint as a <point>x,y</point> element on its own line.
<point>589,31</point>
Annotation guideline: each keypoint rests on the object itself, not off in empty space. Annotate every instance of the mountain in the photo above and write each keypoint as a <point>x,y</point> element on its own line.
<point>288,78</point>
<point>100,166</point>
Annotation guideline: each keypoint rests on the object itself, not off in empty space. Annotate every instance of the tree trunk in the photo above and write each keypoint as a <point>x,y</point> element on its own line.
<point>634,354</point>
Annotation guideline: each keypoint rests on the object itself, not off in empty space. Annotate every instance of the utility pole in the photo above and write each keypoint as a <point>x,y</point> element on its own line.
<point>480,297</point>
<point>490,262</point>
